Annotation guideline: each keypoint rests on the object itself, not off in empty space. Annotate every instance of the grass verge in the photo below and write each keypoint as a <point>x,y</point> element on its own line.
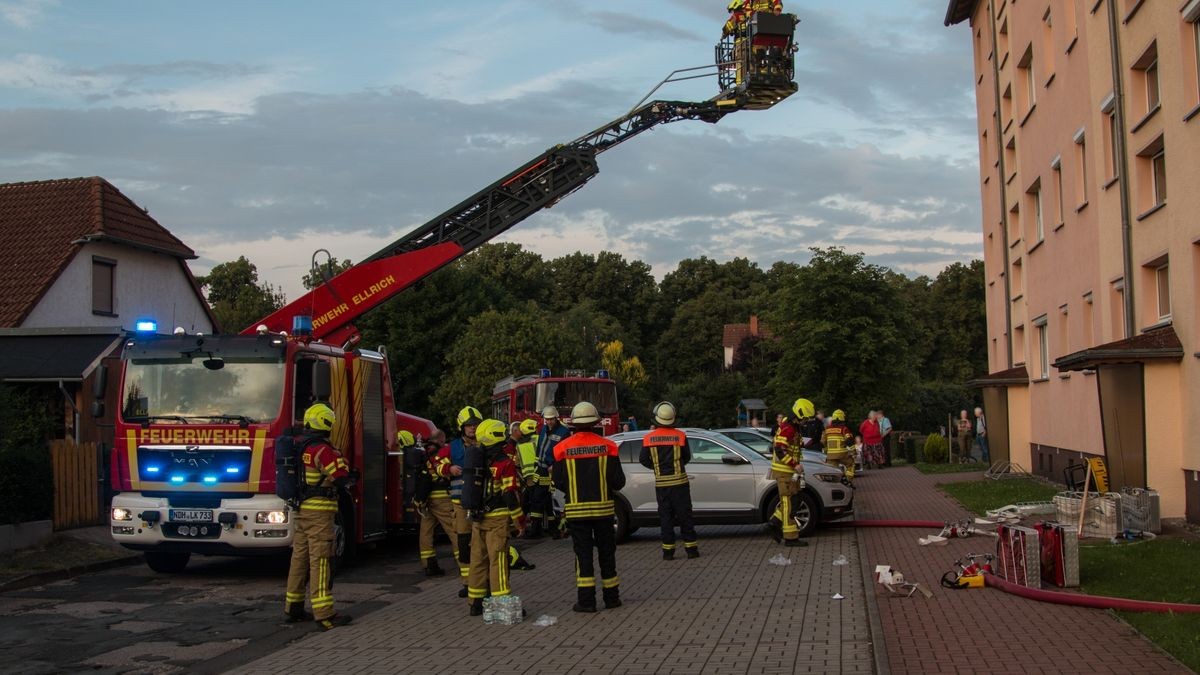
<point>1158,570</point>
<point>930,468</point>
<point>980,496</point>
<point>61,552</point>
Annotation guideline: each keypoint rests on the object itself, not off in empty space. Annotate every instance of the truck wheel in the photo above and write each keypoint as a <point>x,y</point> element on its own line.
<point>167,563</point>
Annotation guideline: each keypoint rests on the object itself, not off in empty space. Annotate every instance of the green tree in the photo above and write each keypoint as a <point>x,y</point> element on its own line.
<point>237,297</point>
<point>330,268</point>
<point>707,400</point>
<point>626,287</point>
<point>691,343</point>
<point>958,322</point>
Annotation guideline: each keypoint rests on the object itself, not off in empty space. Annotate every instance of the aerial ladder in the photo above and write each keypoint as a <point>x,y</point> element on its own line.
<point>755,71</point>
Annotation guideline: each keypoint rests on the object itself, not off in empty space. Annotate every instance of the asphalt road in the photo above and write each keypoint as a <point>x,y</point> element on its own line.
<point>218,614</point>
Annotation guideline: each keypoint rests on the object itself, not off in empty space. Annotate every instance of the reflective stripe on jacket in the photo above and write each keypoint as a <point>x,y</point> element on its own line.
<point>587,469</point>
<point>666,451</point>
<point>785,452</point>
<point>323,464</point>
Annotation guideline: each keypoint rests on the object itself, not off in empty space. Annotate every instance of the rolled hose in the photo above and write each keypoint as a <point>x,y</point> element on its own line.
<point>1058,598</point>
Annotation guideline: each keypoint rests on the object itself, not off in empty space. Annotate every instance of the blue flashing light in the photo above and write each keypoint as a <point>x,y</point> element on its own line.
<point>146,326</point>
<point>302,325</point>
<point>176,479</point>
<point>602,374</point>
<point>232,469</point>
<point>210,479</point>
<point>152,469</point>
<point>544,372</point>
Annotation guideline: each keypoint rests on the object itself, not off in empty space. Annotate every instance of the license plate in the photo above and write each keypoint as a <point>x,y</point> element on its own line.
<point>191,515</point>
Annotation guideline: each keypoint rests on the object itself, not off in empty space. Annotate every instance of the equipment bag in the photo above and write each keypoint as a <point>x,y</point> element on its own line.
<point>474,475</point>
<point>289,472</point>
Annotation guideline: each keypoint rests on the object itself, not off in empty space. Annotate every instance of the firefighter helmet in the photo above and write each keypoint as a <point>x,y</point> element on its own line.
<point>468,416</point>
<point>803,408</point>
<point>664,414</point>
<point>839,415</point>
<point>584,414</point>
<point>734,5</point>
<point>529,427</point>
<point>549,413</point>
<point>319,417</point>
<point>491,432</point>
<point>405,438</point>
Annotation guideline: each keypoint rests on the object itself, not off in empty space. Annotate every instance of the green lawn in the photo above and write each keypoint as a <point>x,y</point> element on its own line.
<point>1159,570</point>
<point>926,467</point>
<point>980,496</point>
<point>60,552</point>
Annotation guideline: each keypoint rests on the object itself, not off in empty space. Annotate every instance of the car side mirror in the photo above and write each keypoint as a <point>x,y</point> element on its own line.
<point>735,460</point>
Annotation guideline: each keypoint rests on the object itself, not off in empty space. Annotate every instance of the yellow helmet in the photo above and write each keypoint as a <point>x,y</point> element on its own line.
<point>468,416</point>
<point>664,414</point>
<point>734,5</point>
<point>584,413</point>
<point>405,438</point>
<point>839,415</point>
<point>803,408</point>
<point>319,417</point>
<point>529,427</point>
<point>491,432</point>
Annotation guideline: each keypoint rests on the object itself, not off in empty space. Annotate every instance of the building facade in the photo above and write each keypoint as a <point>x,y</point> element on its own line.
<point>1088,112</point>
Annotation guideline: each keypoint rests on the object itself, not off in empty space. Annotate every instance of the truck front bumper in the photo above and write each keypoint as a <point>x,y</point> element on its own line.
<point>235,527</point>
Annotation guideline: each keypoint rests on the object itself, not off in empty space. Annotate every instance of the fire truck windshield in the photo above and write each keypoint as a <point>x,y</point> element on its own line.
<point>564,395</point>
<point>202,387</point>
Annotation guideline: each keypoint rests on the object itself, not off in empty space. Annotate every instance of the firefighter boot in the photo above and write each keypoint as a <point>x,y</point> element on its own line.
<point>612,598</point>
<point>775,529</point>
<point>586,601</point>
<point>795,542</point>
<point>692,551</point>
<point>296,613</point>
<point>333,622</point>
<point>432,569</point>
<point>668,554</point>
<point>477,607</point>
<point>535,529</point>
<point>462,592</point>
<point>518,561</point>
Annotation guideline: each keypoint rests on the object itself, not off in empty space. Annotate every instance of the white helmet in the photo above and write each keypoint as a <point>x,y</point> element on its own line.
<point>664,414</point>
<point>549,413</point>
<point>584,413</point>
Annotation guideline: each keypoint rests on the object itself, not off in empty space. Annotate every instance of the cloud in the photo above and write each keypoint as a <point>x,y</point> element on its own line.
<point>25,13</point>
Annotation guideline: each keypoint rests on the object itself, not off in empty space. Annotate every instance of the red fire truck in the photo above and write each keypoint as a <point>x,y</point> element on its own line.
<point>526,396</point>
<point>193,463</point>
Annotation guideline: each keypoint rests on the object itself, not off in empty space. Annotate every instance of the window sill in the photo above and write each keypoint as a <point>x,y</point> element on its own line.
<point>1017,297</point>
<point>1081,207</point>
<point>1059,226</point>
<point>1088,372</point>
<point>1137,4</point>
<point>1027,115</point>
<point>987,179</point>
<point>1014,243</point>
<point>1036,380</point>
<point>1110,182</point>
<point>1003,60</point>
<point>1146,118</point>
<point>1071,44</point>
<point>1162,323</point>
<point>1049,80</point>
<point>1064,376</point>
<point>96,312</point>
<point>1036,246</point>
<point>1010,178</point>
<point>1192,113</point>
<point>1151,211</point>
<point>1007,126</point>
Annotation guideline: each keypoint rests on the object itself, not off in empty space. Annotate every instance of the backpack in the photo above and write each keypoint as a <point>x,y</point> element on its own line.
<point>289,470</point>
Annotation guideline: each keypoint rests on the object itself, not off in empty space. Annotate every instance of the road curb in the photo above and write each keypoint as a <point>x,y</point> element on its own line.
<point>878,648</point>
<point>41,578</point>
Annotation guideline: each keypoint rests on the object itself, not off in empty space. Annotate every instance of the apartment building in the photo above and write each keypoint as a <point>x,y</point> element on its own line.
<point>1088,117</point>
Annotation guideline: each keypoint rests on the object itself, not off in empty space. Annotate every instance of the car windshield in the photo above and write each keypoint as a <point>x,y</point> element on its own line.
<point>564,395</point>
<point>202,389</point>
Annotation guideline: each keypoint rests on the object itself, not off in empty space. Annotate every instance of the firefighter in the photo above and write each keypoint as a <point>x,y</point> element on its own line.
<point>541,506</point>
<point>325,472</point>
<point>788,474</point>
<point>588,470</point>
<point>839,444</point>
<point>736,23</point>
<point>524,439</point>
<point>665,450</point>
<point>499,508</point>
<point>432,499</point>
<point>467,420</point>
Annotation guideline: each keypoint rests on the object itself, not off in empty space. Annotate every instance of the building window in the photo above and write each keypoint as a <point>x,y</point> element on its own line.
<point>1064,332</point>
<point>1028,90</point>
<point>1019,346</point>
<point>1162,284</point>
<point>1081,176</point>
<point>1048,43</point>
<point>1070,23</point>
<point>1043,337</point>
<point>1089,317</point>
<point>103,275</point>
<point>1035,203</point>
<point>1152,176</point>
<point>1118,310</point>
<point>1056,166</point>
<point>1145,77</point>
<point>1152,98</point>
<point>1158,170</point>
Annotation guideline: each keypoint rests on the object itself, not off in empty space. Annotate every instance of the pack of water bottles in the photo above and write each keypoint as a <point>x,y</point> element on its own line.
<point>504,610</point>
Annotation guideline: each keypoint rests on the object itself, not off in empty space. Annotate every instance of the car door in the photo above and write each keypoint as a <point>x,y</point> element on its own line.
<point>722,480</point>
<point>639,481</point>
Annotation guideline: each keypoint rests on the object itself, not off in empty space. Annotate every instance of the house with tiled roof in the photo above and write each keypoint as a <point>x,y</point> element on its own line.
<point>80,265</point>
<point>735,333</point>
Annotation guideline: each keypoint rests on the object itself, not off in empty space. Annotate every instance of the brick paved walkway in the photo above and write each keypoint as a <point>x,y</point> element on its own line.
<point>686,616</point>
<point>985,630</point>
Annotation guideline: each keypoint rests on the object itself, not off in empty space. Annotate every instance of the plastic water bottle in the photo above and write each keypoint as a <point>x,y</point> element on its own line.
<point>489,610</point>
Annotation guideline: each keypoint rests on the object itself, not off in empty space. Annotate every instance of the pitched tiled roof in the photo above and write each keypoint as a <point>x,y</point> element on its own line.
<point>734,333</point>
<point>45,223</point>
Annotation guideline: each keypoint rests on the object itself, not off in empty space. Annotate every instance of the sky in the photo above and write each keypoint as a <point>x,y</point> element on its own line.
<point>272,129</point>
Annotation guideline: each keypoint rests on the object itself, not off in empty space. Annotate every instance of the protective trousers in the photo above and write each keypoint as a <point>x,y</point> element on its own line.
<point>540,505</point>
<point>788,489</point>
<point>437,512</point>
<point>843,459</point>
<point>462,534</point>
<point>586,534</point>
<point>675,508</point>
<point>312,551</point>
<point>489,558</point>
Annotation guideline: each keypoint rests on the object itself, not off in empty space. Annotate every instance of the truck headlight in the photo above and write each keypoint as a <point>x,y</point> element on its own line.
<point>122,514</point>
<point>271,517</point>
<point>829,477</point>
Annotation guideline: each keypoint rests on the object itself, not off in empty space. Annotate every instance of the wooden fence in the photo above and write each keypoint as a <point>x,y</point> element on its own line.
<point>76,485</point>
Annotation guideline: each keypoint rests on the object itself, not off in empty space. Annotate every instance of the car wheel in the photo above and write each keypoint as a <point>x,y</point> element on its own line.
<point>621,522</point>
<point>167,563</point>
<point>804,510</point>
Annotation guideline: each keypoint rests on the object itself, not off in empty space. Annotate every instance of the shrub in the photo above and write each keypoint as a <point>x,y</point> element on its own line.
<point>26,486</point>
<point>936,449</point>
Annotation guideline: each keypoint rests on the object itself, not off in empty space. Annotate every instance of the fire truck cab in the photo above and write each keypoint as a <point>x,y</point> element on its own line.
<point>524,397</point>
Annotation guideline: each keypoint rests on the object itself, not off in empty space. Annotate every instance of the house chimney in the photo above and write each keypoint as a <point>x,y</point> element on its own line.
<point>754,325</point>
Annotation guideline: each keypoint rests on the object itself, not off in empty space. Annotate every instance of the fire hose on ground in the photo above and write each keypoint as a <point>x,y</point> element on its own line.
<point>1055,597</point>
